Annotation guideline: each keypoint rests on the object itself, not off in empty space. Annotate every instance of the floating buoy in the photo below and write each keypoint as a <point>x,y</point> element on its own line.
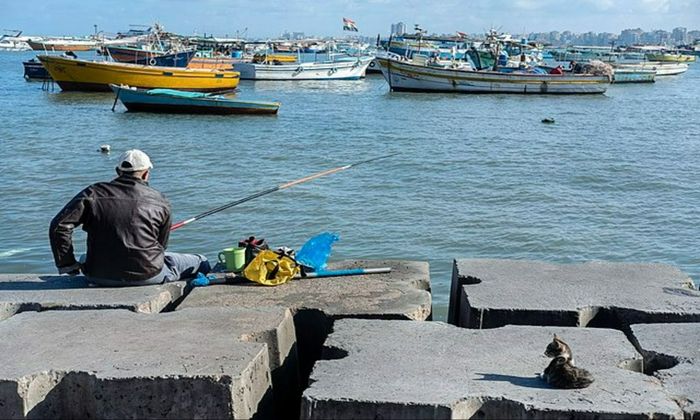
<point>105,148</point>
<point>548,120</point>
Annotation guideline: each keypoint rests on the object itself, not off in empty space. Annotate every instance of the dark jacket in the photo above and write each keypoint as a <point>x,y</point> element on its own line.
<point>127,224</point>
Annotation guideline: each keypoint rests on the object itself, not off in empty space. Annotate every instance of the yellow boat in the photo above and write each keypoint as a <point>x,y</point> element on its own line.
<point>274,58</point>
<point>671,58</point>
<point>75,74</point>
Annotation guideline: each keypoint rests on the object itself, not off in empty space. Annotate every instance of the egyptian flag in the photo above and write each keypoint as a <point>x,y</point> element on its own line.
<point>349,25</point>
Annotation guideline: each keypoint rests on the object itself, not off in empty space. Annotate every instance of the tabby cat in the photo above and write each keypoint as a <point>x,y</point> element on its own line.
<point>559,348</point>
<point>562,374</point>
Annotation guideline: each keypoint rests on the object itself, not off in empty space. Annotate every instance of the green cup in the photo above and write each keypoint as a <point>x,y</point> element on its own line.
<point>233,258</point>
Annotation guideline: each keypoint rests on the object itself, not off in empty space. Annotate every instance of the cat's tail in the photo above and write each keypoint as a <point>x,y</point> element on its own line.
<point>582,379</point>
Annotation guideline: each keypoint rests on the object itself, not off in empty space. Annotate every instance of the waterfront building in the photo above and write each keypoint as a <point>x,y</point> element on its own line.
<point>630,36</point>
<point>679,35</point>
<point>398,28</point>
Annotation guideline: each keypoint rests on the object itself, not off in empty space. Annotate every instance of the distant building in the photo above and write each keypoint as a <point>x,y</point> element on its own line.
<point>630,36</point>
<point>626,38</point>
<point>693,36</point>
<point>679,35</point>
<point>398,28</point>
<point>293,36</point>
<point>657,37</point>
<point>554,37</point>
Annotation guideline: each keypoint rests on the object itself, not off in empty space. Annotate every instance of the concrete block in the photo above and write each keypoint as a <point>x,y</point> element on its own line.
<point>489,293</point>
<point>672,353</point>
<point>35,292</point>
<point>405,369</point>
<point>404,293</point>
<point>195,363</point>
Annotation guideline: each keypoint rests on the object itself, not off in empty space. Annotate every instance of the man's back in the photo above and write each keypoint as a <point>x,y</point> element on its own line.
<point>128,226</point>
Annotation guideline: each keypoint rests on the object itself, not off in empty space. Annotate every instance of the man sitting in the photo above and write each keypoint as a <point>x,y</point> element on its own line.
<point>128,226</point>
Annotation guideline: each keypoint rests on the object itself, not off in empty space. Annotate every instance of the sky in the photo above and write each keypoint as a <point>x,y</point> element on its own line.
<point>269,18</point>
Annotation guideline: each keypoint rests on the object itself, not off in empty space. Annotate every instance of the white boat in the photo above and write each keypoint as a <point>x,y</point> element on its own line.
<point>630,75</point>
<point>427,76</point>
<point>349,69</point>
<point>662,69</point>
<point>13,41</point>
<point>9,45</point>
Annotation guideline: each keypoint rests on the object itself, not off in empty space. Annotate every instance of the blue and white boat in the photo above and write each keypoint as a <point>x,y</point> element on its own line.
<point>176,101</point>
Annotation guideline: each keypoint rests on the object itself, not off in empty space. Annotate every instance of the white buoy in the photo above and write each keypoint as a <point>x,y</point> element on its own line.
<point>105,148</point>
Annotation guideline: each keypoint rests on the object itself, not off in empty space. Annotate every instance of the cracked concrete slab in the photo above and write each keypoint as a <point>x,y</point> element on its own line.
<point>489,293</point>
<point>195,363</point>
<point>36,292</point>
<point>406,369</point>
<point>404,293</point>
<point>672,353</point>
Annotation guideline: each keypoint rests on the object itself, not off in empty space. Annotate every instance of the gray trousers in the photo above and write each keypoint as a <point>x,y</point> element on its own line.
<point>177,267</point>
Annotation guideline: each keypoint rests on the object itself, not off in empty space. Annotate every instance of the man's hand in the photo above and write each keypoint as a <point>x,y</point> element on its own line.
<point>72,270</point>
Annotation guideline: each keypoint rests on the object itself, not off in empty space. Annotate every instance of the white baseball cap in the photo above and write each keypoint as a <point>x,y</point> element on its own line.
<point>134,160</point>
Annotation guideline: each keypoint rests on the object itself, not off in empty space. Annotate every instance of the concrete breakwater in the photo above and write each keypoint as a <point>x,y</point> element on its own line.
<point>354,347</point>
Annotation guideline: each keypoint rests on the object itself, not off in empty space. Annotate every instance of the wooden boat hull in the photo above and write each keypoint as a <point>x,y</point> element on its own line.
<point>150,58</point>
<point>341,70</point>
<point>68,46</point>
<point>83,75</point>
<point>633,76</point>
<point>406,76</point>
<point>213,63</point>
<point>139,100</point>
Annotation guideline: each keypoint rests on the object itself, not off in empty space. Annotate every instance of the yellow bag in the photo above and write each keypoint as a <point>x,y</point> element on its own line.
<point>271,269</point>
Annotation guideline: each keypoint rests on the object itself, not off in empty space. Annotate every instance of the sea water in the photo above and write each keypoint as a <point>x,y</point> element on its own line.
<point>615,177</point>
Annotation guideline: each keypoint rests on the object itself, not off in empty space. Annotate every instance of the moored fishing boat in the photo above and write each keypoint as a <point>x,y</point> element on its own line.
<point>61,44</point>
<point>83,75</point>
<point>150,57</point>
<point>630,75</point>
<point>34,70</point>
<point>421,76</point>
<point>668,57</point>
<point>175,101</point>
<point>350,69</point>
<point>661,69</point>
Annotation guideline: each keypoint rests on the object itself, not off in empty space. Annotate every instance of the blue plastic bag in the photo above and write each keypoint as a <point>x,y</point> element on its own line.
<point>201,280</point>
<point>315,252</point>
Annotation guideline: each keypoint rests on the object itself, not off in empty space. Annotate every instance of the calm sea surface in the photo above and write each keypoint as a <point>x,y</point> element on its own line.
<point>614,179</point>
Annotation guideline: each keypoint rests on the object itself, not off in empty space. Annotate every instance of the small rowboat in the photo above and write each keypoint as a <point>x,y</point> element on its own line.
<point>177,101</point>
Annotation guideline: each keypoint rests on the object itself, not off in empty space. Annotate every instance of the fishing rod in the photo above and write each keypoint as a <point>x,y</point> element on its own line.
<point>273,189</point>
